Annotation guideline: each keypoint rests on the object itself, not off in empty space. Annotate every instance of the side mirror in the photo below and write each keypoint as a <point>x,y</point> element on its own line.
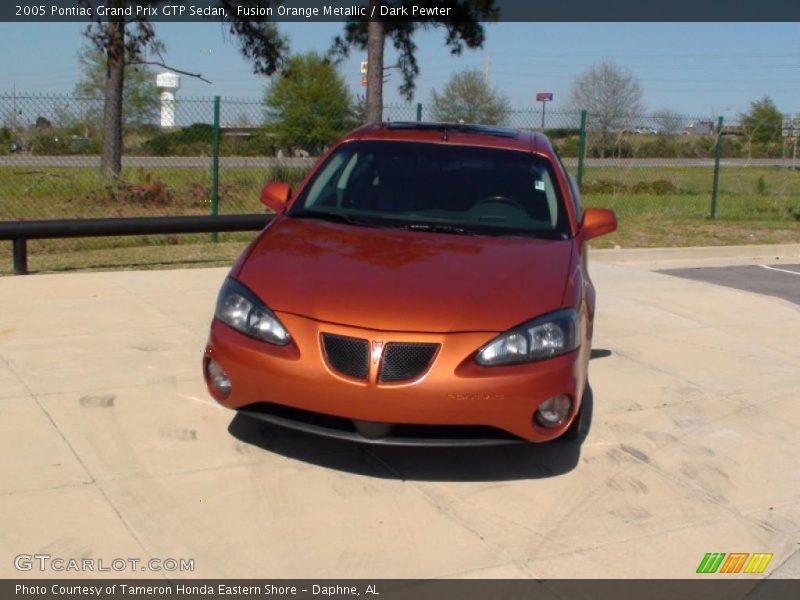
<point>597,222</point>
<point>275,195</point>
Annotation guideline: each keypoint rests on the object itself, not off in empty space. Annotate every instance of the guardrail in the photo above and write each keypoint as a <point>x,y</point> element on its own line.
<point>19,232</point>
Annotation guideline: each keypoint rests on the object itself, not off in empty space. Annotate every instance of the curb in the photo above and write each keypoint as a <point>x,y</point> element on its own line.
<point>772,253</point>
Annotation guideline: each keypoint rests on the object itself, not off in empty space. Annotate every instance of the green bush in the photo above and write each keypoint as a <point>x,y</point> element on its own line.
<point>762,187</point>
<point>567,147</point>
<point>662,187</point>
<point>563,132</point>
<point>5,141</point>
<point>49,143</point>
<point>290,175</point>
<point>611,148</point>
<point>194,140</point>
<point>604,186</point>
<point>258,143</point>
<point>748,149</point>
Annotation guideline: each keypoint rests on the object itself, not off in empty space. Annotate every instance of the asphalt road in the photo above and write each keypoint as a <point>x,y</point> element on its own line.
<point>257,162</point>
<point>782,281</point>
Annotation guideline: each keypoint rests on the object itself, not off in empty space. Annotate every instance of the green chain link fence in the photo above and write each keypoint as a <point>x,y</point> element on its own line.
<point>672,179</point>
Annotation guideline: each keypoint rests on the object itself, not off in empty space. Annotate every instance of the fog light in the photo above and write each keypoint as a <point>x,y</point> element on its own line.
<point>218,378</point>
<point>554,411</point>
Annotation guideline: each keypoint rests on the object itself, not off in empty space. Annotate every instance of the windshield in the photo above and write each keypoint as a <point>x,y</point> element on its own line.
<point>436,187</point>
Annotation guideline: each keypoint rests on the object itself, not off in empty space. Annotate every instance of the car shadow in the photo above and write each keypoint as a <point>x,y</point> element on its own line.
<point>486,463</point>
<point>599,353</point>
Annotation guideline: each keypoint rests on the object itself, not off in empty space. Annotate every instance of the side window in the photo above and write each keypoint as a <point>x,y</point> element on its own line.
<point>576,196</point>
<point>574,193</point>
<point>544,183</point>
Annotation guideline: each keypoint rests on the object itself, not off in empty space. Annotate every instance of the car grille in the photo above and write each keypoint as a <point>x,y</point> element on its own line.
<point>403,361</point>
<point>349,356</point>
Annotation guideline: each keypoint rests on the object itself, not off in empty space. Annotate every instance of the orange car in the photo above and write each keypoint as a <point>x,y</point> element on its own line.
<point>426,284</point>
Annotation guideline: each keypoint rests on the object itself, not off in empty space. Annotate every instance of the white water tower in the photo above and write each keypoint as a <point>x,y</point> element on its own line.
<point>168,85</point>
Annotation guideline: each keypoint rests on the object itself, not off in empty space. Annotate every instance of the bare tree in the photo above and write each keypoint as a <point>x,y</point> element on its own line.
<point>668,122</point>
<point>468,97</point>
<point>612,96</point>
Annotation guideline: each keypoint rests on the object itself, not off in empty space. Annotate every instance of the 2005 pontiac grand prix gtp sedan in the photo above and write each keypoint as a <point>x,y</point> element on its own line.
<point>426,284</point>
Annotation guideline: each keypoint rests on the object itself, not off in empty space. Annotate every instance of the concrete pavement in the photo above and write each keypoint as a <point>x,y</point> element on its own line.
<point>112,448</point>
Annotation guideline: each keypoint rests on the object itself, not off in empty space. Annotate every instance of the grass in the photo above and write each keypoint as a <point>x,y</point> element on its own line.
<point>757,205</point>
<point>744,181</point>
<point>643,232</point>
<point>190,254</point>
<point>63,192</point>
<point>754,206</point>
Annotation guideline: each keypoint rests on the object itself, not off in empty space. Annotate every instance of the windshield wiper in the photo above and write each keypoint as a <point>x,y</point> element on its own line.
<point>441,228</point>
<point>330,215</point>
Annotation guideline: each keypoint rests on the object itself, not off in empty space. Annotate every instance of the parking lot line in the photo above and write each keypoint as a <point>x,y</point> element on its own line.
<point>777,269</point>
<point>756,278</point>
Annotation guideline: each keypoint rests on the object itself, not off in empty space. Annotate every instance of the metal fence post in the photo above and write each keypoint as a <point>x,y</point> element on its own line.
<point>581,149</point>
<point>419,111</point>
<point>20,246</point>
<point>717,158</point>
<point>215,166</point>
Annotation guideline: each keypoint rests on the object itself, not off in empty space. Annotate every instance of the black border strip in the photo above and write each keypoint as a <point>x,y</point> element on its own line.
<point>312,11</point>
<point>710,587</point>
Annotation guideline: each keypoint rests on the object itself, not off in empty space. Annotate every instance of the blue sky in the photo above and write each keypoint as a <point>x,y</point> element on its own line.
<point>693,68</point>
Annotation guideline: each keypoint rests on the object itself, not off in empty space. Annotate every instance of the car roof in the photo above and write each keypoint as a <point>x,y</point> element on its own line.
<point>455,133</point>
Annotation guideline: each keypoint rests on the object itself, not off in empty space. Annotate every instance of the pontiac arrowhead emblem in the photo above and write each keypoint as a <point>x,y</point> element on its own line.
<point>377,351</point>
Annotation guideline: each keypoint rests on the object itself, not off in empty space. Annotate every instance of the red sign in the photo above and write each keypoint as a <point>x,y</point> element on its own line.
<point>544,97</point>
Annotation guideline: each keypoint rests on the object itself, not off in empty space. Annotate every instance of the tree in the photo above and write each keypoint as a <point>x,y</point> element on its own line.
<point>669,122</point>
<point>462,25</point>
<point>308,104</point>
<point>140,95</point>
<point>127,41</point>
<point>468,97</point>
<point>611,95</point>
<point>762,122</point>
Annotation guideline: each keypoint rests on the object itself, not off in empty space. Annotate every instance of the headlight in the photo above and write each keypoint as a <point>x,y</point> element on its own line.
<point>545,337</point>
<point>241,309</point>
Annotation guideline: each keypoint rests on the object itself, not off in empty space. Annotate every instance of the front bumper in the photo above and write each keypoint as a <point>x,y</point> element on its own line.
<point>454,392</point>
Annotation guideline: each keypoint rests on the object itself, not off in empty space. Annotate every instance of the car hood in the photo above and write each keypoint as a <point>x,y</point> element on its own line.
<point>398,280</point>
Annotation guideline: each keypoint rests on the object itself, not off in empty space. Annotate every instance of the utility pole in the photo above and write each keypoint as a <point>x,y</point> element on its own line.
<point>487,68</point>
